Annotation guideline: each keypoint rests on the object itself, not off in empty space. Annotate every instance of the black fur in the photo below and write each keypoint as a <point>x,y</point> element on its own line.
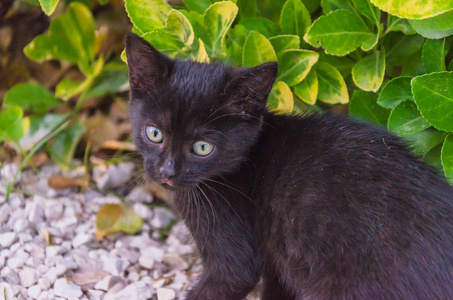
<point>320,206</point>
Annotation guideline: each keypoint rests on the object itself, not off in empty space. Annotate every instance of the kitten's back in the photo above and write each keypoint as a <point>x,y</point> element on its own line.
<point>354,214</point>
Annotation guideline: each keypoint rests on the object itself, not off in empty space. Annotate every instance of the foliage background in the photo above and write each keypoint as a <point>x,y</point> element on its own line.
<point>64,85</point>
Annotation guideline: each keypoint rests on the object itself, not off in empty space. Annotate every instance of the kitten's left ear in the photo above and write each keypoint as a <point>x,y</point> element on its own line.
<point>147,66</point>
<point>248,90</point>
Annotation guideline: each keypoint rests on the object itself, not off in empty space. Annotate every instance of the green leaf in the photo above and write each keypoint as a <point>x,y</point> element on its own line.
<point>331,5</point>
<point>447,157</point>
<point>200,54</point>
<point>369,71</point>
<point>364,106</point>
<point>397,24</point>
<point>147,15</point>
<point>176,38</point>
<point>12,125</point>
<point>217,20</point>
<point>405,119</point>
<point>71,37</point>
<point>294,65</point>
<point>409,9</point>
<point>112,218</point>
<point>433,157</point>
<point>40,126</point>
<point>257,50</point>
<point>343,64</point>
<point>403,53</point>
<point>370,43</point>
<point>436,27</point>
<point>180,26</point>
<point>281,98</point>
<point>340,32</point>
<point>68,88</point>
<point>312,5</point>
<point>262,25</point>
<point>331,86</point>
<point>422,142</point>
<point>433,94</point>
<point>200,6</point>
<point>295,18</point>
<point>396,91</point>
<point>284,42</point>
<point>307,90</point>
<point>196,20</point>
<point>113,78</point>
<point>248,9</point>
<point>434,55</point>
<point>48,6</point>
<point>64,145</point>
<point>368,10</point>
<point>166,42</point>
<point>30,96</point>
<point>236,40</point>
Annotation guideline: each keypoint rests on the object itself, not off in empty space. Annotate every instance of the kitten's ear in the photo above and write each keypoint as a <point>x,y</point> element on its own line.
<point>147,66</point>
<point>249,89</point>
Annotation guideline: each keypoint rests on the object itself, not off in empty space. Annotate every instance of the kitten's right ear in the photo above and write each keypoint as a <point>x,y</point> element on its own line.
<point>147,66</point>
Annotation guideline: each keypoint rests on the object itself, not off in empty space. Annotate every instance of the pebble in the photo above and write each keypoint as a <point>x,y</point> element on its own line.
<point>142,210</point>
<point>146,262</point>
<point>153,253</point>
<point>81,239</point>
<point>139,194</point>
<point>108,282</point>
<point>5,211</point>
<point>53,210</point>
<point>113,265</point>
<point>7,239</point>
<point>161,218</point>
<point>8,171</point>
<point>67,290</point>
<point>165,294</point>
<point>138,290</point>
<point>34,291</point>
<point>44,283</point>
<point>52,251</point>
<point>28,277</point>
<point>116,176</point>
<point>6,291</point>
<point>10,276</point>
<point>18,259</point>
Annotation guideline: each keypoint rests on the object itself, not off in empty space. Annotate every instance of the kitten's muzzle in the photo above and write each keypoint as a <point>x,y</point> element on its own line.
<point>167,170</point>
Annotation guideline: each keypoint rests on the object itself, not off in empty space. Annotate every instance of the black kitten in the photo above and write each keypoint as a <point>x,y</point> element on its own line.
<point>320,206</point>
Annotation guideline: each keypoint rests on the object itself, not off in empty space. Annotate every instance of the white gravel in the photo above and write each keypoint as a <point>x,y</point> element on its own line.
<point>77,266</point>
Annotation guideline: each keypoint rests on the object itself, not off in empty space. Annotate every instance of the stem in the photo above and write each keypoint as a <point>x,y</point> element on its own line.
<point>44,140</point>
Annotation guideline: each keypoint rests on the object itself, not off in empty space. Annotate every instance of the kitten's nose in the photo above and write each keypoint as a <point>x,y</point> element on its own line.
<point>167,170</point>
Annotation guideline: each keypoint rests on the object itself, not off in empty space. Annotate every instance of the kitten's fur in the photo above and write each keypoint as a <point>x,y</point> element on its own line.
<point>320,206</point>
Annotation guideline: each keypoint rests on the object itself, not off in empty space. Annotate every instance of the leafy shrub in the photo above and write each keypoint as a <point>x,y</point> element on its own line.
<point>391,61</point>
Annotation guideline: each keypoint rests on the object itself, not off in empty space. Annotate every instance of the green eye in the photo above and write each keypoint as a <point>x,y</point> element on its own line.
<point>202,148</point>
<point>154,134</point>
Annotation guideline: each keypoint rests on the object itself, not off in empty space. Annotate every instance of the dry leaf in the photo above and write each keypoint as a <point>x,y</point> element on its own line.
<point>87,278</point>
<point>46,235</point>
<point>39,159</point>
<point>117,145</point>
<point>158,191</point>
<point>112,218</point>
<point>58,182</point>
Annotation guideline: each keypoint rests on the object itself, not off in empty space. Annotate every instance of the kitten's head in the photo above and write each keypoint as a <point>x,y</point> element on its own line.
<point>193,120</point>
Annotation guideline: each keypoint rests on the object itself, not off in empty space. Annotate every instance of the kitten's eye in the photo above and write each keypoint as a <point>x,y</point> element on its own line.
<point>202,148</point>
<point>153,134</point>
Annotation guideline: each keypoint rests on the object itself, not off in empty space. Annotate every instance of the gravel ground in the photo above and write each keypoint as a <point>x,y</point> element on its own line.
<point>74,265</point>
